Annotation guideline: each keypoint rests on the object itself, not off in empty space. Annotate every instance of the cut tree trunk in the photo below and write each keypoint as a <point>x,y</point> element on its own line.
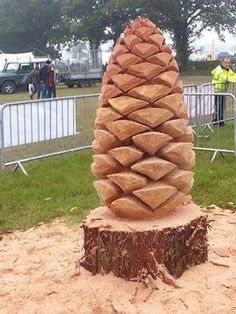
<point>139,248</point>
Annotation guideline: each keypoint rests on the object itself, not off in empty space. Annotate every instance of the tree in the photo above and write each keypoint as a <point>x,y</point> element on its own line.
<point>186,19</point>
<point>83,20</point>
<point>29,25</point>
<point>100,20</point>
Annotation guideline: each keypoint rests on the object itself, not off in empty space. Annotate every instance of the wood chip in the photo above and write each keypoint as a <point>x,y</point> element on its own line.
<point>51,292</point>
<point>219,263</point>
<point>76,273</point>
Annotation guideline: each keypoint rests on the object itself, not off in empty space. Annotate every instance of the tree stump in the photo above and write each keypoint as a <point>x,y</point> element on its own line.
<point>131,249</point>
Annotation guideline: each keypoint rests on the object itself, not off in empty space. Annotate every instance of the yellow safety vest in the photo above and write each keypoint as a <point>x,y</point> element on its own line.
<point>222,78</point>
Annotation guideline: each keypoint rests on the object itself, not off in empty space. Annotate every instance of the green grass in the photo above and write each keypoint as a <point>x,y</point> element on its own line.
<point>214,182</point>
<point>57,185</point>
<point>62,91</point>
<point>54,186</point>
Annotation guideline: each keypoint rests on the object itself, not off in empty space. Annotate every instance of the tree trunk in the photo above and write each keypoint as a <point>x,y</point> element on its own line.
<point>137,249</point>
<point>181,39</point>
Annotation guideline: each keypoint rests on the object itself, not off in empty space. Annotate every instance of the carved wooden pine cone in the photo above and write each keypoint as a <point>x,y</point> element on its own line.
<point>143,145</point>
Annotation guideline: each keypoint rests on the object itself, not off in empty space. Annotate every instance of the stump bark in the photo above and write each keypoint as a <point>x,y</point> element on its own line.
<point>133,249</point>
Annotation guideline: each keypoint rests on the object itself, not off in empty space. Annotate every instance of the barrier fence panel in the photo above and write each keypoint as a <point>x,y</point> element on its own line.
<point>38,129</point>
<point>216,122</point>
<point>29,122</point>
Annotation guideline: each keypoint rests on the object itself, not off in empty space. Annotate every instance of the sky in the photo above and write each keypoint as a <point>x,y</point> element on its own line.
<point>209,42</point>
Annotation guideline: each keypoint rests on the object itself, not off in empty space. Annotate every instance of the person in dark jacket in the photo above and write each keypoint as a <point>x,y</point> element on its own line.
<point>43,79</point>
<point>35,81</point>
<point>50,82</point>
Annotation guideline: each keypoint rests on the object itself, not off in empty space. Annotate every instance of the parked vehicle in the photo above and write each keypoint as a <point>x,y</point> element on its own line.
<point>83,72</point>
<point>15,76</point>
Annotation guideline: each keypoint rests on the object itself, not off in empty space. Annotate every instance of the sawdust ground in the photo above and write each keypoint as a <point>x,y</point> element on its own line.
<point>37,275</point>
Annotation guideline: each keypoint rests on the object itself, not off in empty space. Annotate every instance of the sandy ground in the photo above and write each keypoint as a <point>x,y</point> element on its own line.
<point>37,275</point>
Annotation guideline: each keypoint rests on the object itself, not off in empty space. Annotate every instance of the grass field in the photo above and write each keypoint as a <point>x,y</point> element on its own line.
<point>62,186</point>
<point>62,91</point>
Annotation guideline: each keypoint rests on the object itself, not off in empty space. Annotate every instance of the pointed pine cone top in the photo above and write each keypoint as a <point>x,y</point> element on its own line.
<point>143,145</point>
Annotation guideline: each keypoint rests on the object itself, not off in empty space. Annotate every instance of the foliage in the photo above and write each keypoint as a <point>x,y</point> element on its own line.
<point>186,19</point>
<point>84,22</point>
<point>28,25</point>
<point>97,20</point>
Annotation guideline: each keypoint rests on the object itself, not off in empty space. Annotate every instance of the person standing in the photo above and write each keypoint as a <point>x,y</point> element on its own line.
<point>222,76</point>
<point>43,79</point>
<point>35,81</point>
<point>50,81</point>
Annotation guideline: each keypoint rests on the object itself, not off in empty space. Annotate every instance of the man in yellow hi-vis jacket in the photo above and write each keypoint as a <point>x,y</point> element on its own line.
<point>222,76</point>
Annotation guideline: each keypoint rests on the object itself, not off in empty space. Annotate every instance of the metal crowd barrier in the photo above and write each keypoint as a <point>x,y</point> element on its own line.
<point>34,130</point>
<point>215,122</point>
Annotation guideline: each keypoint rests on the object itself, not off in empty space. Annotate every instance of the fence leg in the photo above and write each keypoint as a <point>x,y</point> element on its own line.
<point>222,155</point>
<point>1,142</point>
<point>20,166</point>
<point>214,155</point>
<point>234,126</point>
<point>210,128</point>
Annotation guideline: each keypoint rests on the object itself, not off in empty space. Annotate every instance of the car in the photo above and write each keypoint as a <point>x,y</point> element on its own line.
<point>15,76</point>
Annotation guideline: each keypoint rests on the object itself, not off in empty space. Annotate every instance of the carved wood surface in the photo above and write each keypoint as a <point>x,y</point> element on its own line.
<point>143,150</point>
